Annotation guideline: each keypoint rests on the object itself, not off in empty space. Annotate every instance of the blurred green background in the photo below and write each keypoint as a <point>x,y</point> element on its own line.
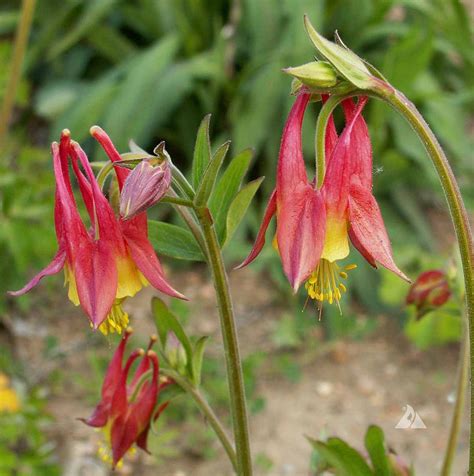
<point>149,70</point>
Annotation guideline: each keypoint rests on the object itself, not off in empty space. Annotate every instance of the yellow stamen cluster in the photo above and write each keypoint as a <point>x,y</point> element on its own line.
<point>104,450</point>
<point>116,321</point>
<point>325,284</point>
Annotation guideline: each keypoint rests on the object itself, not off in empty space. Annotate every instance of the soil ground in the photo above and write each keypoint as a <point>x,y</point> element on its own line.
<point>344,386</point>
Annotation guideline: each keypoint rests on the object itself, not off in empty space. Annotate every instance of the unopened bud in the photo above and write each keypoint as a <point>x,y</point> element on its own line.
<point>145,185</point>
<point>317,74</point>
<point>429,291</point>
<point>175,352</point>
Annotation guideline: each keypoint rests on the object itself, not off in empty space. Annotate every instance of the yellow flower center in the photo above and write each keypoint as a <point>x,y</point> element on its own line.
<point>325,283</point>
<point>104,450</point>
<point>116,321</point>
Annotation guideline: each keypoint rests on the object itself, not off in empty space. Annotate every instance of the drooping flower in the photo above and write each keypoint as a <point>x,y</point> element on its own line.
<point>127,409</point>
<point>349,209</point>
<point>299,207</point>
<point>107,263</point>
<point>429,291</point>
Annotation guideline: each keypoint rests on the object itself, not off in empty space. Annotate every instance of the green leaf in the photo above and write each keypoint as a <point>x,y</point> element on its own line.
<point>166,321</point>
<point>208,180</point>
<point>198,355</point>
<point>202,151</point>
<point>375,444</point>
<point>91,17</point>
<point>347,63</point>
<point>226,189</point>
<point>174,241</point>
<point>239,206</point>
<point>86,110</point>
<point>132,101</point>
<point>346,461</point>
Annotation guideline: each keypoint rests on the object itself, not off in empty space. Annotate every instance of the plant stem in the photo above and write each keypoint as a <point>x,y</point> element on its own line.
<point>21,40</point>
<point>458,216</point>
<point>207,411</point>
<point>231,345</point>
<point>461,387</point>
<point>320,133</point>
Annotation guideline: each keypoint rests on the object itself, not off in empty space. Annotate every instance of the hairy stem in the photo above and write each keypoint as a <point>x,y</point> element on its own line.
<point>461,387</point>
<point>206,410</point>
<point>19,49</point>
<point>231,345</point>
<point>459,218</point>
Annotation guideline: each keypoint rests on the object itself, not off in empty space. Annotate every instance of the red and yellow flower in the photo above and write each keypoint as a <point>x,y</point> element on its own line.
<point>314,225</point>
<point>127,410</point>
<point>111,260</point>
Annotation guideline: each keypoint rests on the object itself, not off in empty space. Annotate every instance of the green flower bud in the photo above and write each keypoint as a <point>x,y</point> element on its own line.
<point>317,74</point>
<point>346,62</point>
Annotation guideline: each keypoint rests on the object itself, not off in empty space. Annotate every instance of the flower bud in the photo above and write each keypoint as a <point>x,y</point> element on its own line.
<point>347,64</point>
<point>145,185</point>
<point>429,291</point>
<point>317,74</point>
<point>175,352</point>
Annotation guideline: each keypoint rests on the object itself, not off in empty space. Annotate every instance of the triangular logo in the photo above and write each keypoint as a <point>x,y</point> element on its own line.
<point>410,419</point>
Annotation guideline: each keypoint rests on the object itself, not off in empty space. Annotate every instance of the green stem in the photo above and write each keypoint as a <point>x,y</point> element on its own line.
<point>320,133</point>
<point>458,216</point>
<point>177,201</point>
<point>231,345</point>
<point>461,388</point>
<point>190,220</point>
<point>206,410</point>
<point>19,49</point>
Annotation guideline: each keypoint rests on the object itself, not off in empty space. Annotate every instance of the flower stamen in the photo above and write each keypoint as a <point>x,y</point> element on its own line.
<point>324,283</point>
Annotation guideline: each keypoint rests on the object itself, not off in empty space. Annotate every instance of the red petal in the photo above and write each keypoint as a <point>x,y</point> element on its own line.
<point>101,136</point>
<point>361,147</point>
<point>109,228</point>
<point>301,227</point>
<point>54,267</point>
<point>142,438</point>
<point>128,426</point>
<point>291,170</point>
<point>144,256</point>
<point>112,379</point>
<point>369,230</point>
<point>339,171</point>
<point>260,240</point>
<point>95,270</point>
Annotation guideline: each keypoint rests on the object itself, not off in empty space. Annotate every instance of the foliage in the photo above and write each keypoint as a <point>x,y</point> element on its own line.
<point>24,447</point>
<point>336,456</point>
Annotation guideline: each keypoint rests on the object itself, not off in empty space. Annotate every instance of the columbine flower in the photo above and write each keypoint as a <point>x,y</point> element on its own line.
<point>126,411</point>
<point>314,226</point>
<point>145,185</point>
<point>429,291</point>
<point>107,263</point>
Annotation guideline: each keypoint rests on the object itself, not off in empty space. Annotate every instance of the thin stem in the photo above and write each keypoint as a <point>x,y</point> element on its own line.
<point>231,345</point>
<point>320,133</point>
<point>181,183</point>
<point>207,411</point>
<point>19,49</point>
<point>189,219</point>
<point>458,216</point>
<point>177,201</point>
<point>461,388</point>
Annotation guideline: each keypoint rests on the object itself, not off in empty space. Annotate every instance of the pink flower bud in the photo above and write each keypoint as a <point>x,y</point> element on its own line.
<point>145,185</point>
<point>430,290</point>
